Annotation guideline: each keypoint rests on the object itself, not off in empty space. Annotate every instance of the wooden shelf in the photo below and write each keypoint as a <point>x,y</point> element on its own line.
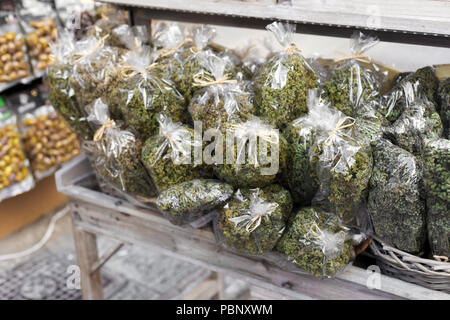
<point>408,21</point>
<point>96,213</point>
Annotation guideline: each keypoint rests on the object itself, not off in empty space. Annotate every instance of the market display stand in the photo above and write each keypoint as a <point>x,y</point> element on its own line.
<point>95,213</point>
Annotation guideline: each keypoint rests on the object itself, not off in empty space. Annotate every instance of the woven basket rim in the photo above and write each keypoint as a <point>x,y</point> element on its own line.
<point>407,262</point>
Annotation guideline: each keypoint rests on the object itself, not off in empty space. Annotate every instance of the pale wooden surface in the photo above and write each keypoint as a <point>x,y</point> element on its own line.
<point>97,213</point>
<point>431,17</point>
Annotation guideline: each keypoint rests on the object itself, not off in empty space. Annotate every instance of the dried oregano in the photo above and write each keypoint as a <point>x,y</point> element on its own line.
<point>395,202</point>
<point>283,82</point>
<point>444,106</point>
<point>253,220</point>
<point>316,242</point>
<point>168,156</point>
<point>437,184</point>
<point>188,201</point>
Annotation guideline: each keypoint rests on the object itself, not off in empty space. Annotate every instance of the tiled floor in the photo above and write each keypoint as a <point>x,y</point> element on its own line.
<point>133,273</point>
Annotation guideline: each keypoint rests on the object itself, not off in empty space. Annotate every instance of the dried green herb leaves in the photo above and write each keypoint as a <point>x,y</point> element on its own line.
<point>444,106</point>
<point>238,219</point>
<point>188,201</point>
<point>437,184</point>
<point>281,88</point>
<point>395,204</point>
<point>316,242</point>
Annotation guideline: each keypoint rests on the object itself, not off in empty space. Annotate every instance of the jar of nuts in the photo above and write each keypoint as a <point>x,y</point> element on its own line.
<point>15,177</point>
<point>13,60</point>
<point>38,42</point>
<point>47,140</point>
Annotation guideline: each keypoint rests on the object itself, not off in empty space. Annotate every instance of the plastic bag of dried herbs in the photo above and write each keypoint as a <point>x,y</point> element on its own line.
<point>15,175</point>
<point>93,63</point>
<point>186,202</point>
<point>142,91</point>
<point>437,185</point>
<point>343,161</point>
<point>283,82</point>
<point>255,154</point>
<point>395,202</point>
<point>354,79</point>
<point>444,106</point>
<point>117,158</point>
<point>220,99</point>
<point>317,242</point>
<point>418,122</point>
<point>61,94</point>
<point>109,21</point>
<point>168,156</point>
<point>421,84</point>
<point>253,220</point>
<point>187,63</point>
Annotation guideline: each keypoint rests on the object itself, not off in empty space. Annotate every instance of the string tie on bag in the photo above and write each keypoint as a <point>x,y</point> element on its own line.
<point>100,44</point>
<point>204,80</point>
<point>99,133</point>
<point>170,52</point>
<point>291,49</point>
<point>361,57</point>
<point>339,126</point>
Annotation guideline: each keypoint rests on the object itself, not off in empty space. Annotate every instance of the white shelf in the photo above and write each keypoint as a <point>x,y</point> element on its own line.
<point>431,17</point>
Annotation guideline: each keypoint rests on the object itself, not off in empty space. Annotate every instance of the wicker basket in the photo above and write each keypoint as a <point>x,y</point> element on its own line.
<point>428,273</point>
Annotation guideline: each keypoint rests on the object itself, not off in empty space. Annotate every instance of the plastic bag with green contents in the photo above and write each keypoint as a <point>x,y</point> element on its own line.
<point>317,242</point>
<point>342,160</point>
<point>220,98</point>
<point>116,158</point>
<point>282,84</point>
<point>168,156</point>
<point>188,201</point>
<point>255,154</point>
<point>143,91</point>
<point>61,93</point>
<point>354,80</point>
<point>253,220</point>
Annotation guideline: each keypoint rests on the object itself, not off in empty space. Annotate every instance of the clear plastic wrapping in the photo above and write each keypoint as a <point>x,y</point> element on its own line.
<point>168,156</point>
<point>342,160</point>
<point>395,202</point>
<point>418,122</point>
<point>444,106</point>
<point>188,201</point>
<point>437,185</point>
<point>108,20</point>
<point>117,159</point>
<point>420,84</point>
<point>254,219</point>
<point>220,98</point>
<point>15,174</point>
<point>61,94</point>
<point>48,142</point>
<point>255,154</point>
<point>282,85</point>
<point>142,90</point>
<point>354,80</point>
<point>317,242</point>
<point>13,56</point>
<point>92,63</point>
<point>76,16</point>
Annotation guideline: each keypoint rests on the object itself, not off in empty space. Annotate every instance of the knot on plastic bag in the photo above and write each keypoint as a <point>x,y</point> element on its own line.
<point>98,113</point>
<point>359,44</point>
<point>361,57</point>
<point>251,131</point>
<point>87,48</point>
<point>213,70</point>
<point>177,137</point>
<point>205,80</point>
<point>291,49</point>
<point>283,32</point>
<point>138,62</point>
<point>99,133</point>
<point>331,243</point>
<point>257,209</point>
<point>340,125</point>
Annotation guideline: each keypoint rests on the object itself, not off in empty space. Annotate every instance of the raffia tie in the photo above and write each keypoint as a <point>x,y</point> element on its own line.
<point>206,80</point>
<point>339,126</point>
<point>98,45</point>
<point>253,224</point>
<point>361,57</point>
<point>99,133</point>
<point>129,71</point>
<point>170,52</point>
<point>291,49</point>
<point>440,258</point>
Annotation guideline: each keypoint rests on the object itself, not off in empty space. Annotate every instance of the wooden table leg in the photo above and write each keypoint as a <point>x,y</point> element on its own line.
<point>87,255</point>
